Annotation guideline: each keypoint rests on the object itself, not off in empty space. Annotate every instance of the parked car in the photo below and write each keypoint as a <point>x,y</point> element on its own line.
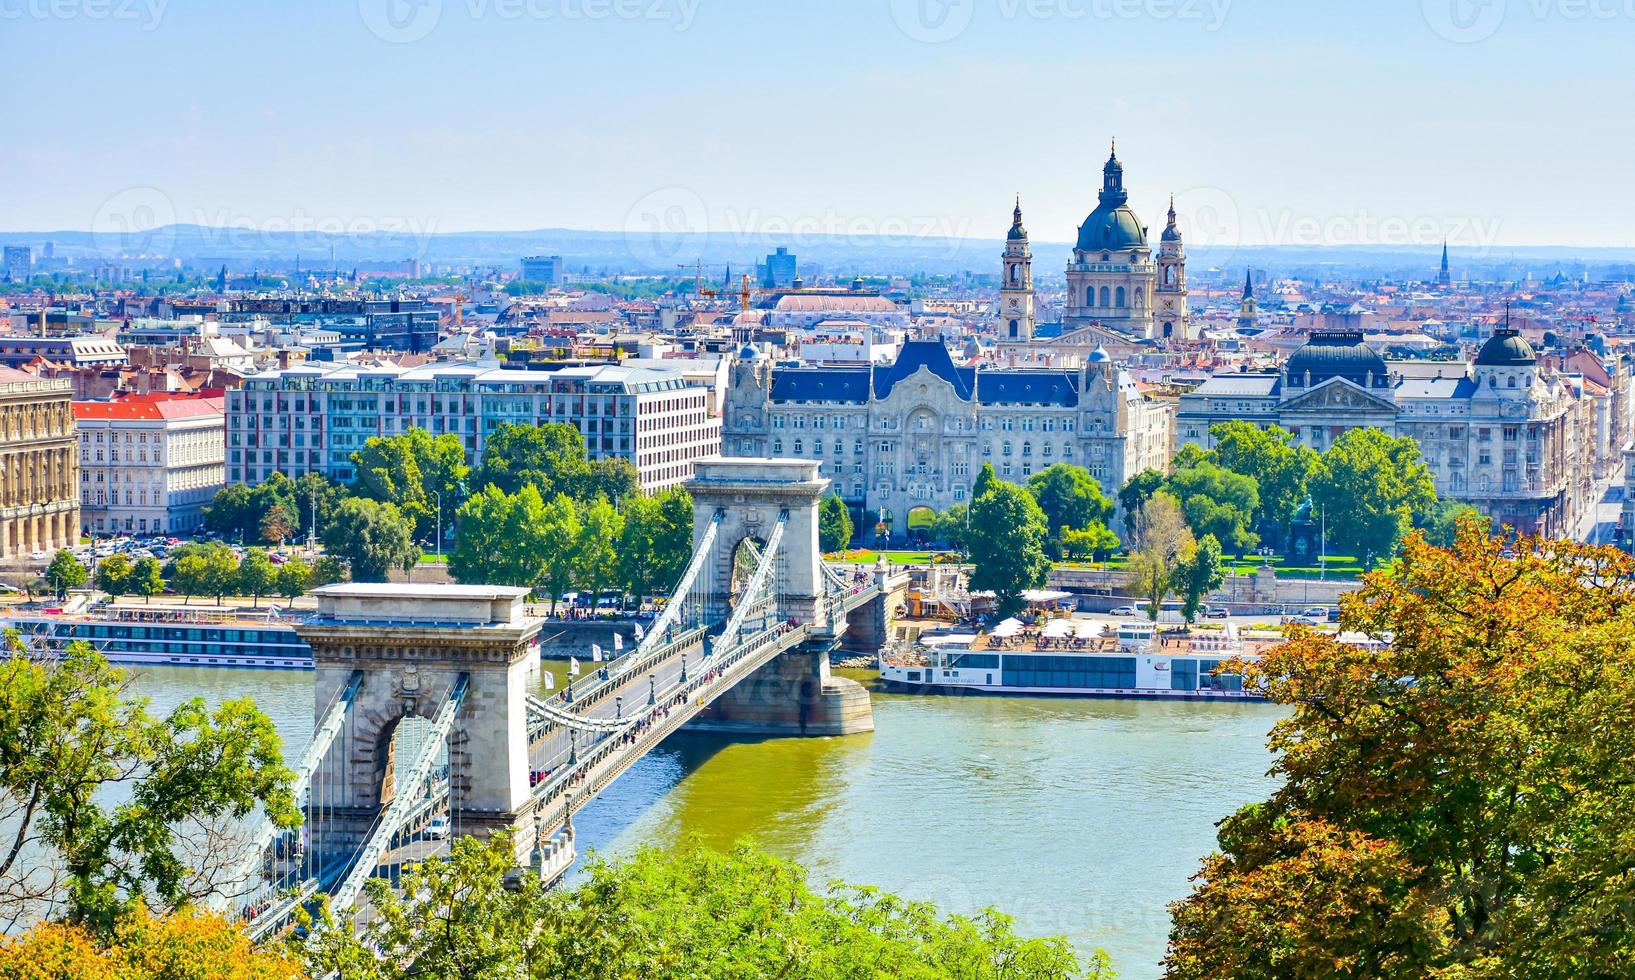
<point>437,829</point>
<point>1305,621</point>
<point>1316,612</point>
<point>1217,612</point>
<point>1122,611</point>
<point>39,556</point>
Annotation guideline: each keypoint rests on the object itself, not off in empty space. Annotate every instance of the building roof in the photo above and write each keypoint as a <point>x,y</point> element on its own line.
<point>834,302</point>
<point>1112,225</point>
<point>1022,387</point>
<point>1337,354</point>
<point>933,356</point>
<point>155,406</point>
<point>1239,385</point>
<point>1506,348</point>
<point>821,385</point>
<point>12,374</point>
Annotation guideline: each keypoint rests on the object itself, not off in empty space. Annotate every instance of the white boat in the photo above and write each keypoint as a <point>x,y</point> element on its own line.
<point>170,636</point>
<point>1075,657</point>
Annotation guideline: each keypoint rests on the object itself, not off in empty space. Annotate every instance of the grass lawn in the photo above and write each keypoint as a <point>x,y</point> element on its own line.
<point>1339,566</point>
<point>864,556</point>
<point>433,559</point>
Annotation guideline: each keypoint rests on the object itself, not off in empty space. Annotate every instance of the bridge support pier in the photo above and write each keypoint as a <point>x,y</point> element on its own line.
<point>794,694</point>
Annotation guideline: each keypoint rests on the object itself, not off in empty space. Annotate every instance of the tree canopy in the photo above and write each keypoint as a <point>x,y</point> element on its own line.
<point>1071,500</point>
<point>372,537</point>
<point>834,524</point>
<point>1372,488</point>
<point>690,912</point>
<point>1162,543</point>
<point>1216,501</point>
<point>1456,802</point>
<point>411,471</point>
<point>1006,543</point>
<point>550,458</point>
<point>1280,468</point>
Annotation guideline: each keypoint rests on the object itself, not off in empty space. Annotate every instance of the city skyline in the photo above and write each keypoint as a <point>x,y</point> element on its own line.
<point>1280,124</point>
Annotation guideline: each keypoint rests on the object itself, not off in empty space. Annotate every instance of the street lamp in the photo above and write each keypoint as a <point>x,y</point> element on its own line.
<point>652,690</point>
<point>573,747</point>
<point>618,707</point>
<point>438,494</point>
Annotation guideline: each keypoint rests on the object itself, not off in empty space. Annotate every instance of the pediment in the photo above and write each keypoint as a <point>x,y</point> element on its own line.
<point>1338,394</point>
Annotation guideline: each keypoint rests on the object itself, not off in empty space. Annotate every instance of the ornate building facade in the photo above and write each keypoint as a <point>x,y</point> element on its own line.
<point>908,438</point>
<point>1504,434</point>
<point>39,479</point>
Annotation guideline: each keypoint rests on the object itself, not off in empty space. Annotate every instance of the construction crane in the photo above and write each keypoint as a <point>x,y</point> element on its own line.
<point>698,280</point>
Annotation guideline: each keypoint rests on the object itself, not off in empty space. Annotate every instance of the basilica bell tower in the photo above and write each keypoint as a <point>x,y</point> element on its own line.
<point>1016,284</point>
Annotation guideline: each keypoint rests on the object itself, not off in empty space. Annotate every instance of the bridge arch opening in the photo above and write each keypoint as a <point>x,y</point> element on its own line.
<point>399,744</point>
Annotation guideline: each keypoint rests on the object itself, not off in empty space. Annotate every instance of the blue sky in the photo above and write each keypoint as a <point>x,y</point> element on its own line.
<point>1492,122</point>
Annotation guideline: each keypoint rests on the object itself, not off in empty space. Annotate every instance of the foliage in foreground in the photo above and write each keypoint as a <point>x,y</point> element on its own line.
<point>185,945</point>
<point>1457,804</point>
<point>691,912</point>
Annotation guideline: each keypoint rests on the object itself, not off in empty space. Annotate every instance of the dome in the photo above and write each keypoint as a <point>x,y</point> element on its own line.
<point>1112,225</point>
<point>1506,348</point>
<point>749,352</point>
<point>1340,354</point>
<point>1099,355</point>
<point>1017,232</point>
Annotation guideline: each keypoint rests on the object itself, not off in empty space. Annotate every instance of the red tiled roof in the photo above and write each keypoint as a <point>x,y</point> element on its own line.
<point>12,374</point>
<point>156,405</point>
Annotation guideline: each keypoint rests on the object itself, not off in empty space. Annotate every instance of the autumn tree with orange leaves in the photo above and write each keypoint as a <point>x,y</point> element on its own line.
<point>184,945</point>
<point>1459,802</point>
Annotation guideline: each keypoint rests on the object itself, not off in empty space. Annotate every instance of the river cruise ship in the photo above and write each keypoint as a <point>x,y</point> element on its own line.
<point>170,636</point>
<point>1074,657</point>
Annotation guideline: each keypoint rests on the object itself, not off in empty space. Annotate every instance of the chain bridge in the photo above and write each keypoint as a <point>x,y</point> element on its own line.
<point>424,717</point>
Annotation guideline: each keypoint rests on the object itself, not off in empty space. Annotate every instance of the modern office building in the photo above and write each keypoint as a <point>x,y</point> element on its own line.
<point>19,263</point>
<point>545,269</point>
<point>779,270</point>
<point>314,417</point>
<point>39,482</point>
<point>150,463</point>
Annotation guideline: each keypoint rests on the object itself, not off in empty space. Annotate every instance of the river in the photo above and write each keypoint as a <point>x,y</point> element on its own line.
<point>1079,817</point>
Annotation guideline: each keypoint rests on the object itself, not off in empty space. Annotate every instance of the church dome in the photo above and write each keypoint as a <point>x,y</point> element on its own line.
<point>1017,232</point>
<point>1112,226</point>
<point>749,352</point>
<point>1338,354</point>
<point>1099,355</point>
<point>1506,348</point>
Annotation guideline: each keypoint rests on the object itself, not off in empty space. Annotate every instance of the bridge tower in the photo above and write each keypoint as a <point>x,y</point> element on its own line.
<point>794,694</point>
<point>421,650</point>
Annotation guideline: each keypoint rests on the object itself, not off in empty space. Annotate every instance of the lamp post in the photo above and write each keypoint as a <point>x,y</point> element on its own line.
<point>618,707</point>
<point>439,495</point>
<point>652,690</point>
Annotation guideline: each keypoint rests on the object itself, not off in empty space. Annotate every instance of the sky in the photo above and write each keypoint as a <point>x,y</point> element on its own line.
<point>1490,123</point>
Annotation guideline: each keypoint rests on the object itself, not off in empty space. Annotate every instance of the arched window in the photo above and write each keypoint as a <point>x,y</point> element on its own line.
<point>1027,449</point>
<point>1512,381</point>
<point>1089,296</point>
<point>1119,298</point>
<point>1105,297</point>
<point>777,447</point>
<point>1007,449</point>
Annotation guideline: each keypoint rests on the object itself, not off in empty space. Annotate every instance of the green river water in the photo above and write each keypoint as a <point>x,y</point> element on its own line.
<point>1079,817</point>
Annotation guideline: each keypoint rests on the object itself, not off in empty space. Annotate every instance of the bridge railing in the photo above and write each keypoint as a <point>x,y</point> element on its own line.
<point>605,680</point>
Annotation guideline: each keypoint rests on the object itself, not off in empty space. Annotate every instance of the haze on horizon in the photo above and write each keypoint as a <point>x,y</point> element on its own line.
<point>1491,123</point>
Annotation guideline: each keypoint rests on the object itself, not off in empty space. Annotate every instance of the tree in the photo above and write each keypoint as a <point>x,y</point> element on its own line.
<point>65,572</point>
<point>1281,470</point>
<point>1199,573</point>
<point>613,478</point>
<point>327,570</point>
<point>550,458</point>
<point>256,575</point>
<point>1442,528</point>
<point>834,524</point>
<point>231,510</point>
<point>372,537</point>
<point>673,548</point>
<point>68,734</point>
<point>560,532</point>
<point>1096,543</point>
<point>743,913</point>
<point>1453,802</point>
<point>1007,545</point>
<point>1133,495</point>
<point>314,491</point>
<point>1216,501</point>
<point>501,538</point>
<point>949,526</point>
<point>410,471</point>
<point>276,524</point>
<point>1372,488</point>
<point>1163,541</point>
<point>985,479</point>
<point>292,578</point>
<point>1071,500</point>
<point>597,546</point>
<point>146,580</point>
<point>643,521</point>
<point>184,944</point>
<point>114,575</point>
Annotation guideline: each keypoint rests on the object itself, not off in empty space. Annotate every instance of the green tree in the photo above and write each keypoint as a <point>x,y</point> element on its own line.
<point>499,541</point>
<point>292,578</point>
<point>597,547</point>
<point>1163,541</point>
<point>743,913</point>
<point>1133,495</point>
<point>276,524</point>
<point>1199,572</point>
<point>65,572</point>
<point>560,532</point>
<point>146,578</point>
<point>1281,470</point>
<point>231,511</point>
<point>1453,802</point>
<point>551,458</point>
<point>314,491</point>
<point>1095,542</point>
<point>256,575</point>
<point>69,733</point>
<point>834,524</point>
<point>326,570</point>
<point>673,548</point>
<point>613,479</point>
<point>643,522</point>
<point>1371,489</point>
<point>1007,545</point>
<point>949,526</point>
<point>1071,500</point>
<point>372,537</point>
<point>114,575</point>
<point>985,480</point>
<point>1442,528</point>
<point>410,471</point>
<point>1216,501</point>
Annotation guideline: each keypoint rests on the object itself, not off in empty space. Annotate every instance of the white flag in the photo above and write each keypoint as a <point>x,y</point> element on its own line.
<point>640,632</point>
<point>596,653</point>
<point>573,666</point>
<point>618,640</point>
<point>550,681</point>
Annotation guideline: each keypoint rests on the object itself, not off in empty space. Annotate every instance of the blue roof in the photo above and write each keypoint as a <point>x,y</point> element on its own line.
<point>933,356</point>
<point>821,385</point>
<point>1047,387</point>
